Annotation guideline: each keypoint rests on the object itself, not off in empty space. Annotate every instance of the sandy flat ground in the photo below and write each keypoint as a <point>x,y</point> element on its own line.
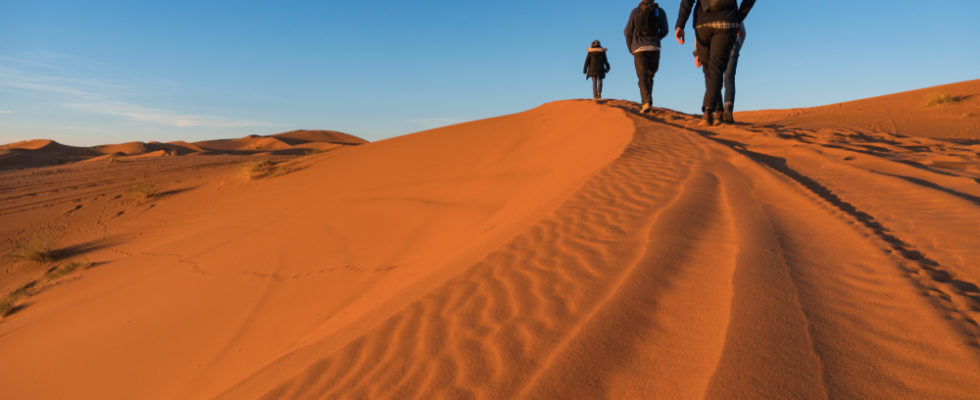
<point>573,251</point>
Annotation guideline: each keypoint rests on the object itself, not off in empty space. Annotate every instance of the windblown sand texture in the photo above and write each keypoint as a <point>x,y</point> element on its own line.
<point>573,251</point>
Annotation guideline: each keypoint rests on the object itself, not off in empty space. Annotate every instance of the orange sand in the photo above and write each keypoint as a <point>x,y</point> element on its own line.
<point>573,251</point>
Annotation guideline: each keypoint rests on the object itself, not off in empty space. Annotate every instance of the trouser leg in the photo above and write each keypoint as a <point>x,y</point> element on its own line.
<point>719,44</point>
<point>647,63</point>
<point>730,82</point>
<point>595,86</point>
<point>599,91</point>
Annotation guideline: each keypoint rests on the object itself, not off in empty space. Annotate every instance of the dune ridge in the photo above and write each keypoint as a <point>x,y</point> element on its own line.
<point>575,251</point>
<point>721,289</point>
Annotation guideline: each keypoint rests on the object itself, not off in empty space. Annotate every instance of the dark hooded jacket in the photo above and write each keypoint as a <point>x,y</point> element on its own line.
<point>596,63</point>
<point>634,41</point>
<point>732,12</point>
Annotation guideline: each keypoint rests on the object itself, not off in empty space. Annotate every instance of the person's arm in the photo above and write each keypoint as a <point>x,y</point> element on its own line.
<point>664,25</point>
<point>682,15</point>
<point>629,32</point>
<point>585,69</point>
<point>743,10</point>
<point>605,63</point>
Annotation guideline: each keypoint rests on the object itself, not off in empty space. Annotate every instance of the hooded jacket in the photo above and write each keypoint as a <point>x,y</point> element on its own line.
<point>636,43</point>
<point>733,13</point>
<point>596,63</point>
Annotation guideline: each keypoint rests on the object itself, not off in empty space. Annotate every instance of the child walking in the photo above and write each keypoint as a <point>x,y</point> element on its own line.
<point>596,67</point>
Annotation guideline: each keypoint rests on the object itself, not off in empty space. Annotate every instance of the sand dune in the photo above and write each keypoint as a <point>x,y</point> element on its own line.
<point>41,152</point>
<point>573,251</point>
<point>945,112</point>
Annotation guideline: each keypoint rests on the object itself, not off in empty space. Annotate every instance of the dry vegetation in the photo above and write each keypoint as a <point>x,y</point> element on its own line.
<point>141,193</point>
<point>9,302</point>
<point>940,99</point>
<point>259,168</point>
<point>38,245</point>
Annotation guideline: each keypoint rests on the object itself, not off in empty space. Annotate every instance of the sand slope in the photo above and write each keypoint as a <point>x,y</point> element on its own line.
<point>913,113</point>
<point>574,251</point>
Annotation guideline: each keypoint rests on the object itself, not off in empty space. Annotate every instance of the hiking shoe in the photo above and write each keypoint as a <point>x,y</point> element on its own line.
<point>728,117</point>
<point>645,108</point>
<point>706,119</point>
<point>717,118</point>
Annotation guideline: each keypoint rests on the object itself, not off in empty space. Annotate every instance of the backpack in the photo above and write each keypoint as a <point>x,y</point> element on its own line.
<point>647,19</point>
<point>717,5</point>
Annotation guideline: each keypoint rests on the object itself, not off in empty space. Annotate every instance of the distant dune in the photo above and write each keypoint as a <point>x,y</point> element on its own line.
<point>577,250</point>
<point>38,153</point>
<point>943,112</point>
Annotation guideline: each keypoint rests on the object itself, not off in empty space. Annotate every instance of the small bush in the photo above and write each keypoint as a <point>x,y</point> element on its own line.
<point>7,305</point>
<point>9,302</point>
<point>141,193</point>
<point>257,169</point>
<point>37,246</point>
<point>940,99</point>
<point>67,268</point>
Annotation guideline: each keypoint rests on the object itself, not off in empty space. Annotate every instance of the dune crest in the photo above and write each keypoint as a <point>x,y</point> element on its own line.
<point>572,251</point>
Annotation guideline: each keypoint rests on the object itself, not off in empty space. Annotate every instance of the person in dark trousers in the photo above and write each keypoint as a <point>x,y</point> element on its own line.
<point>729,106</point>
<point>715,27</point>
<point>596,67</point>
<point>644,30</point>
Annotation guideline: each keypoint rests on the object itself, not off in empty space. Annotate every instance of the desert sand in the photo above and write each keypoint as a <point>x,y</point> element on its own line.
<point>577,250</point>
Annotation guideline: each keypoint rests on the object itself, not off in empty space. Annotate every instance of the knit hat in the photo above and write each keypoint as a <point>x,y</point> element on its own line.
<point>596,44</point>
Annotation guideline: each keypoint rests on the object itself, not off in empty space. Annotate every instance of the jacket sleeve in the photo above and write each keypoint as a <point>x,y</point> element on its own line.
<point>664,25</point>
<point>685,12</point>
<point>605,62</point>
<point>743,10</point>
<point>585,70</point>
<point>629,32</point>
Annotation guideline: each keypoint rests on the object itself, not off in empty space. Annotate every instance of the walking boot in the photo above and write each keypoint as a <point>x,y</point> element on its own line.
<point>728,117</point>
<point>645,108</point>
<point>717,118</point>
<point>706,119</point>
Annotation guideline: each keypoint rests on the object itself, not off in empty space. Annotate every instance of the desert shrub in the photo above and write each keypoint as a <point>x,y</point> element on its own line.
<point>141,193</point>
<point>67,268</point>
<point>940,99</point>
<point>9,302</point>
<point>259,168</point>
<point>38,245</point>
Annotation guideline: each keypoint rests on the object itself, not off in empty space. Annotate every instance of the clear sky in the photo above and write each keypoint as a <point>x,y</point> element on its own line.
<point>91,72</point>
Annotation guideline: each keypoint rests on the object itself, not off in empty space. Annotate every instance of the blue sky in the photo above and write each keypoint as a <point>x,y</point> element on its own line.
<point>90,72</point>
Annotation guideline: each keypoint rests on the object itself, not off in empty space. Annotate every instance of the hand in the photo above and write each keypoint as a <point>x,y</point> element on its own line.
<point>679,34</point>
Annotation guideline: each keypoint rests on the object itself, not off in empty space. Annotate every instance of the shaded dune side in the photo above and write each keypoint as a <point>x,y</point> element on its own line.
<point>682,270</point>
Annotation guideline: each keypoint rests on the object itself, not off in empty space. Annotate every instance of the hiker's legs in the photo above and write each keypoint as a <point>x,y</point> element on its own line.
<point>596,83</point>
<point>640,62</point>
<point>599,91</point>
<point>647,63</point>
<point>730,82</point>
<point>719,48</point>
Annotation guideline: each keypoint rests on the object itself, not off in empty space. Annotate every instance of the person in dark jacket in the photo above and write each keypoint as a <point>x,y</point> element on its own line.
<point>715,27</point>
<point>596,67</point>
<point>645,28</point>
<point>729,106</point>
